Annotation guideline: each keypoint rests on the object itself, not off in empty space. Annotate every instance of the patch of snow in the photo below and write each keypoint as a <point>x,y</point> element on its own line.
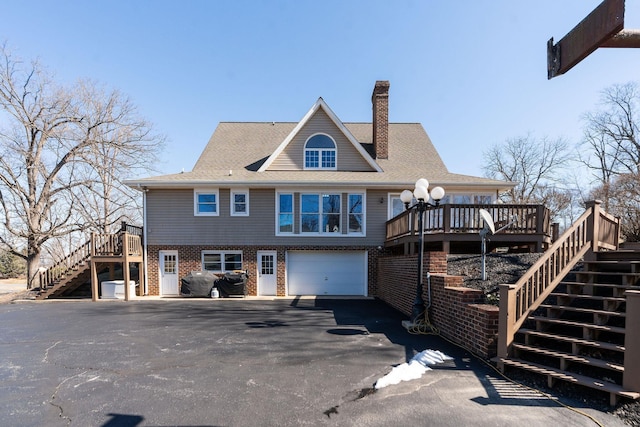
<point>414,369</point>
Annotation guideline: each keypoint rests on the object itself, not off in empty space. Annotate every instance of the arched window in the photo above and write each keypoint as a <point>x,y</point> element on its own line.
<point>320,152</point>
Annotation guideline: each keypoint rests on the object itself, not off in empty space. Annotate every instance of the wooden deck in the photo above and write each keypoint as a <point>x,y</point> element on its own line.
<point>456,229</point>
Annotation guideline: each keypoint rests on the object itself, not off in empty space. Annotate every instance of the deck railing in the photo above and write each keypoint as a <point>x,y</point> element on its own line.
<point>594,230</point>
<point>458,218</point>
<point>59,269</point>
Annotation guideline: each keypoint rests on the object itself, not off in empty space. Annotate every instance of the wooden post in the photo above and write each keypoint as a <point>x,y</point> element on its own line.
<point>506,320</point>
<point>140,278</point>
<point>94,271</point>
<point>446,218</point>
<point>593,227</point>
<point>540,220</point>
<point>631,376</point>
<point>125,265</point>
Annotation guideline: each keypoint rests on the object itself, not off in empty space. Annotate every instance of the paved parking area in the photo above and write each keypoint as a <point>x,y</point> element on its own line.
<point>243,362</point>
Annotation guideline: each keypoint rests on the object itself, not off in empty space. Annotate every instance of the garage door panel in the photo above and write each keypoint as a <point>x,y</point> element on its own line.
<point>326,273</point>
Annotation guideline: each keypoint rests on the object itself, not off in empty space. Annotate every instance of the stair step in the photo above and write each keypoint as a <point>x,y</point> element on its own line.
<point>603,285</point>
<point>600,363</point>
<point>552,373</point>
<point>583,310</point>
<point>619,255</point>
<point>606,328</point>
<point>611,265</point>
<point>586,296</point>
<point>573,340</point>
<point>626,279</point>
<point>606,273</point>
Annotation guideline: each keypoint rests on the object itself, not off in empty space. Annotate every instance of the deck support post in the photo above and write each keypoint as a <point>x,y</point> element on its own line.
<point>94,270</point>
<point>126,275</point>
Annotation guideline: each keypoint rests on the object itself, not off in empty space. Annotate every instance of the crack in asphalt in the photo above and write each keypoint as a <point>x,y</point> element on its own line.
<point>45,359</point>
<point>55,392</point>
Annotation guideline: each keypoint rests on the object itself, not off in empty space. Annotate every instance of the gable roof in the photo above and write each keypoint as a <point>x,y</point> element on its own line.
<point>320,104</point>
<point>263,155</point>
<point>237,150</point>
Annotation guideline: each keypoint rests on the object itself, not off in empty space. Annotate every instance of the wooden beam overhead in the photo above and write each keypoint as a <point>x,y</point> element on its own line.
<point>600,25</point>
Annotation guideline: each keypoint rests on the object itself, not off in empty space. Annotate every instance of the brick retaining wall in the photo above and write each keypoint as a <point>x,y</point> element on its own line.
<point>458,312</point>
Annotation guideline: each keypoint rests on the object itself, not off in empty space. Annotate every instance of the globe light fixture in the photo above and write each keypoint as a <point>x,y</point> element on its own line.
<point>421,194</point>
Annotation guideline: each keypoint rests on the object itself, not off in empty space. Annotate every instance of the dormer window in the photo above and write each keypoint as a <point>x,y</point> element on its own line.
<point>320,153</point>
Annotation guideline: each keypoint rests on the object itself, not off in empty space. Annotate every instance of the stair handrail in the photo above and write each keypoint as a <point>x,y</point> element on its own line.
<point>59,269</point>
<point>594,229</point>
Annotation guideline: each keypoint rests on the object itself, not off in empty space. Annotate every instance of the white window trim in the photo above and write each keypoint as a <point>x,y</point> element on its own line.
<point>321,232</point>
<point>293,211</point>
<point>222,254</point>
<point>320,150</point>
<point>198,191</point>
<point>344,194</point>
<point>364,214</point>
<point>232,202</point>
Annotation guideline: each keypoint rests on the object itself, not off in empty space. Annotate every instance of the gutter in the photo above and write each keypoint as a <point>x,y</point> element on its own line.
<point>306,184</point>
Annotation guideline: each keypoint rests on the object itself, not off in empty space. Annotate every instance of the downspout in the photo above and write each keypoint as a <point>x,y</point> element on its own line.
<point>144,238</point>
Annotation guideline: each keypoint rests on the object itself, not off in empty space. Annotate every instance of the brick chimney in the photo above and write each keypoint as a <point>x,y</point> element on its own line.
<point>380,101</point>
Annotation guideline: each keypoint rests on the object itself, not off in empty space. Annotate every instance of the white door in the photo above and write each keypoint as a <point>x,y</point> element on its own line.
<point>327,272</point>
<point>267,272</point>
<point>168,273</point>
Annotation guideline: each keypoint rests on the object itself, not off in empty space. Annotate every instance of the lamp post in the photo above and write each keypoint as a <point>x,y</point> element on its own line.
<point>421,194</point>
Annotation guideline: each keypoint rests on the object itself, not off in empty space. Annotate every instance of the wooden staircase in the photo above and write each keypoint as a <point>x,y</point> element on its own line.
<point>578,334</point>
<point>70,281</point>
<point>67,274</point>
<point>83,264</point>
<point>575,314</point>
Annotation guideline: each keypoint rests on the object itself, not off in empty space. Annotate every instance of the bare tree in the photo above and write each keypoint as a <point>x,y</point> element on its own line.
<point>623,193</point>
<point>50,137</point>
<point>123,149</point>
<point>535,165</point>
<point>611,137</point>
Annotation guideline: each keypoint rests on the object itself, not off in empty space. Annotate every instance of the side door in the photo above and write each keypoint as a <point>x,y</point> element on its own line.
<point>267,273</point>
<point>168,273</point>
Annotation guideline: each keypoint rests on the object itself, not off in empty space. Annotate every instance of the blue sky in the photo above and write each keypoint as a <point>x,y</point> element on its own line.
<point>472,72</point>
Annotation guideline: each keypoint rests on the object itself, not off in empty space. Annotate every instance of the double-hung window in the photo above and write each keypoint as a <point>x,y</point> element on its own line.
<point>356,213</point>
<point>320,213</point>
<point>285,213</point>
<point>206,203</point>
<point>240,203</point>
<point>221,261</point>
<point>320,153</point>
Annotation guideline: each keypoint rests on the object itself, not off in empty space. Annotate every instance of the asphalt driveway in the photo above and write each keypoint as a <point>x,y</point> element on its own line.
<point>240,362</point>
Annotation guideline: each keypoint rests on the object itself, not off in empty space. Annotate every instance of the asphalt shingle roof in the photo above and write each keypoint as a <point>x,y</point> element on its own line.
<point>242,147</point>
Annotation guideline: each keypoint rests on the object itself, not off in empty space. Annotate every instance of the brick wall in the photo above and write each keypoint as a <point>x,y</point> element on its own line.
<point>190,259</point>
<point>457,312</point>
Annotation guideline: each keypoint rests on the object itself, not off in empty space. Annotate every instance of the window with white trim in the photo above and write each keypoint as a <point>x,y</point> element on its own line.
<point>206,202</point>
<point>320,152</point>
<point>240,203</point>
<point>285,213</point>
<point>356,213</point>
<point>221,261</point>
<point>320,213</point>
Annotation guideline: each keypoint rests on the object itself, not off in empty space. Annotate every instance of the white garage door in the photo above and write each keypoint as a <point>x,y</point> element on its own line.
<point>327,273</point>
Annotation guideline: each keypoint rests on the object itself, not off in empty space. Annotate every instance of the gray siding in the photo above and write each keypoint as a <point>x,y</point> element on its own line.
<point>170,221</point>
<point>292,158</point>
